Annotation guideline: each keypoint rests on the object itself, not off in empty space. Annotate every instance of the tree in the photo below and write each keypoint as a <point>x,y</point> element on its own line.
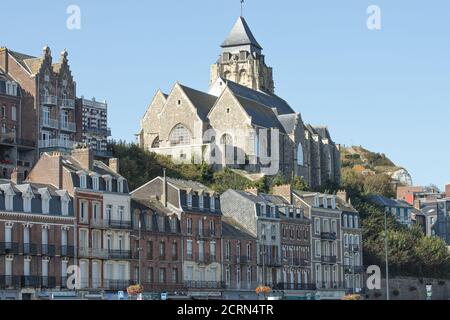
<point>379,184</point>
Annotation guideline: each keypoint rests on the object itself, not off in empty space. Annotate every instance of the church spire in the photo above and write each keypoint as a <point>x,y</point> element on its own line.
<point>241,35</point>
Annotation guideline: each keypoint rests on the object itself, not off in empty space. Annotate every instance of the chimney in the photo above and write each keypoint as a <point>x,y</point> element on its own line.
<point>447,191</point>
<point>284,191</point>
<point>417,204</point>
<point>164,189</point>
<point>113,164</point>
<point>84,156</point>
<point>16,176</point>
<point>252,190</point>
<point>342,194</point>
<point>4,59</point>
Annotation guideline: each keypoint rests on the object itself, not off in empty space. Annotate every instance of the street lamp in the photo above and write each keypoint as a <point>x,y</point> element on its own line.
<point>386,252</point>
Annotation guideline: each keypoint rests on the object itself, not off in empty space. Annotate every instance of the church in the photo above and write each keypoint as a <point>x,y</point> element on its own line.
<point>240,122</point>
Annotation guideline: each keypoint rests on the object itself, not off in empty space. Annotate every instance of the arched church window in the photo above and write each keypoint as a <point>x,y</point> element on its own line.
<point>227,75</point>
<point>300,157</point>
<point>226,140</point>
<point>180,135</point>
<point>155,143</point>
<point>243,76</point>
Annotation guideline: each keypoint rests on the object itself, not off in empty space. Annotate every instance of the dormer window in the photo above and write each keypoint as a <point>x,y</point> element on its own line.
<point>45,199</point>
<point>9,196</point>
<point>120,185</point>
<point>324,201</point>
<point>316,200</point>
<point>108,183</point>
<point>189,200</point>
<point>272,211</point>
<point>286,211</point>
<point>212,203</point>
<point>26,203</point>
<point>95,183</point>
<point>201,201</point>
<point>333,203</point>
<point>263,209</point>
<point>83,181</point>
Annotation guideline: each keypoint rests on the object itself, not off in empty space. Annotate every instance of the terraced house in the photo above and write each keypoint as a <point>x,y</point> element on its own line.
<point>102,208</point>
<point>37,239</point>
<point>199,212</point>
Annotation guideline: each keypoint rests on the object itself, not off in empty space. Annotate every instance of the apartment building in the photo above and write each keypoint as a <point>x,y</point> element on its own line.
<point>92,119</point>
<point>399,209</point>
<point>351,244</point>
<point>15,152</point>
<point>102,209</point>
<point>37,234</point>
<point>48,105</point>
<point>199,212</point>
<point>157,247</point>
<point>239,260</point>
<point>261,218</point>
<point>437,215</point>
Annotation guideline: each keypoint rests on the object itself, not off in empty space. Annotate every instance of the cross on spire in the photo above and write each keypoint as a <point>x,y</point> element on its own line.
<point>242,8</point>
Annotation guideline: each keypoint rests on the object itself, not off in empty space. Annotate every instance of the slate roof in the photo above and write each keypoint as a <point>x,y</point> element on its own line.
<point>260,114</point>
<point>202,101</point>
<point>240,35</point>
<point>252,197</point>
<point>153,205</point>
<point>188,184</point>
<point>344,206</point>
<point>322,132</point>
<point>269,100</point>
<point>232,229</point>
<point>98,167</point>
<point>386,202</point>
<point>288,121</point>
<point>34,187</point>
<point>278,200</point>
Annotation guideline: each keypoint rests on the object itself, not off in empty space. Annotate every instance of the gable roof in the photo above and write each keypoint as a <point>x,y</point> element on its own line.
<point>269,100</point>
<point>240,35</point>
<point>323,132</point>
<point>288,121</point>
<point>202,101</point>
<point>232,229</point>
<point>386,202</point>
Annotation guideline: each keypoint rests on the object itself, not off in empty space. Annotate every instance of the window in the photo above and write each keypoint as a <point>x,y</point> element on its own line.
<point>189,225</point>
<point>95,183</point>
<point>227,250</point>
<point>273,232</point>
<point>174,251</point>
<point>83,211</point>
<point>345,221</point>
<point>345,240</point>
<point>189,200</point>
<point>180,135</point>
<point>200,227</point>
<point>200,201</point>
<point>227,277</point>
<point>317,248</point>
<point>174,275</point>
<point>249,251</point>
<point>108,212</point>
<point>83,183</point>
<point>120,185</point>
<point>212,227</point>
<point>350,221</point>
<point>14,113</point>
<point>212,203</point>
<point>201,251</point>
<point>249,277</point>
<point>317,225</point>
<point>356,222</point>
<point>162,275</point>
<point>95,211</point>
<point>238,277</point>
<point>150,275</point>
<point>162,250</point>
<point>150,250</point>
<point>333,226</point>
<point>189,249</point>
<point>326,225</point>
<point>263,209</point>
<point>108,183</point>
<point>212,250</point>
<point>4,111</point>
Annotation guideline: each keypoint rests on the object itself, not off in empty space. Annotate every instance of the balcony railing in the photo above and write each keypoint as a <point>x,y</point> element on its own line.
<point>9,248</point>
<point>56,143</point>
<point>353,269</point>
<point>67,103</point>
<point>205,284</point>
<point>119,224</point>
<point>49,123</point>
<point>49,100</point>
<point>163,287</point>
<point>29,249</point>
<point>329,259</point>
<point>328,235</point>
<point>112,284</point>
<point>119,254</point>
<point>269,261</point>
<point>353,247</point>
<point>9,282</point>
<point>48,250</point>
<point>294,286</point>
<point>205,258</point>
<point>242,259</point>
<point>99,131</point>
<point>68,126</point>
<point>330,285</point>
<point>67,251</point>
<point>93,253</point>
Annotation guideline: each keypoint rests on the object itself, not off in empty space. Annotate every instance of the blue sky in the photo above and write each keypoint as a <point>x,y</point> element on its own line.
<point>387,90</point>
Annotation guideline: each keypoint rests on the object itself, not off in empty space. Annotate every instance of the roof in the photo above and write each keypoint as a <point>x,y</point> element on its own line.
<point>240,35</point>
<point>322,132</point>
<point>267,99</point>
<point>278,200</point>
<point>153,205</point>
<point>260,114</point>
<point>386,202</point>
<point>34,187</point>
<point>98,167</point>
<point>202,101</point>
<point>252,197</point>
<point>344,206</point>
<point>188,184</point>
<point>288,121</point>
<point>232,229</point>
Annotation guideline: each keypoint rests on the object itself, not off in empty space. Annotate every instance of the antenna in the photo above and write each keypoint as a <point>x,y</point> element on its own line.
<point>242,8</point>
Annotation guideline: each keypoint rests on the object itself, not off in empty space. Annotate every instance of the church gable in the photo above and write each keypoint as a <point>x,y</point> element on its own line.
<point>149,122</point>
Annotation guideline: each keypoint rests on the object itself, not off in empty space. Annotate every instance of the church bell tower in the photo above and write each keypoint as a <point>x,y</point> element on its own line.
<point>241,60</point>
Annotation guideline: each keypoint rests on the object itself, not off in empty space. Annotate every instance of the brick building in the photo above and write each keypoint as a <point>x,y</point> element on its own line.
<point>198,209</point>
<point>37,227</point>
<point>15,152</point>
<point>102,209</point>
<point>160,266</point>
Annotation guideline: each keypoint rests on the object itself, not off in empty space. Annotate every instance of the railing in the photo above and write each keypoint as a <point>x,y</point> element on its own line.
<point>67,103</point>
<point>300,262</point>
<point>205,284</point>
<point>48,282</point>
<point>353,269</point>
<point>100,131</point>
<point>112,284</point>
<point>163,287</point>
<point>68,126</point>
<point>48,250</point>
<point>205,258</point>
<point>119,224</point>
<point>189,257</point>
<point>328,235</point>
<point>353,247</point>
<point>269,261</point>
<point>93,253</point>
<point>63,282</point>
<point>49,100</point>
<point>242,259</point>
<point>330,285</point>
<point>119,254</point>
<point>9,248</point>
<point>56,143</point>
<point>329,259</point>
<point>49,123</point>
<point>22,163</point>
<point>30,281</point>
<point>9,282</point>
<point>29,249</point>
<point>294,286</point>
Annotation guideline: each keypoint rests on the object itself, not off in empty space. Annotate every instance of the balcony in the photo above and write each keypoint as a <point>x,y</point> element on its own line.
<point>93,253</point>
<point>205,258</point>
<point>204,284</point>
<point>242,259</point>
<point>353,247</point>
<point>163,287</point>
<point>119,224</point>
<point>329,259</point>
<point>294,286</point>
<point>353,269</point>
<point>116,285</point>
<point>9,248</point>
<point>48,282</point>
<point>30,281</point>
<point>9,282</point>
<point>49,100</point>
<point>29,249</point>
<point>119,254</point>
<point>48,250</point>
<point>67,104</point>
<point>300,262</point>
<point>330,285</point>
<point>189,257</point>
<point>49,122</point>
<point>99,224</point>
<point>98,131</point>
<point>67,251</point>
<point>56,143</point>
<point>328,236</point>
<point>68,126</point>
